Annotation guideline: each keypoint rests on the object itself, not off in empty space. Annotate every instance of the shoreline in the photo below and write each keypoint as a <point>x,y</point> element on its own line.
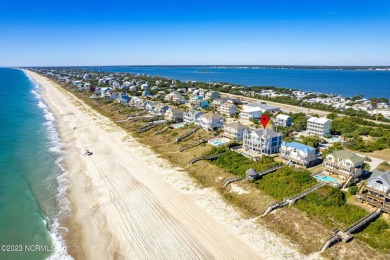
<point>94,212</point>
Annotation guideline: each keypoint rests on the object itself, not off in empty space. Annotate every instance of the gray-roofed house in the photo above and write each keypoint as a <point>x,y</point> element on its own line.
<point>377,191</point>
<point>227,109</point>
<point>212,95</point>
<point>191,116</point>
<point>344,164</point>
<point>234,130</point>
<point>262,141</point>
<point>263,107</point>
<point>174,114</point>
<point>283,120</point>
<point>210,121</point>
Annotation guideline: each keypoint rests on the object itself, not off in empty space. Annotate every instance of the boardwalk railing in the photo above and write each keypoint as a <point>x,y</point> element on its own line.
<point>196,143</point>
<point>210,157</point>
<point>186,134</point>
<point>292,200</point>
<point>346,234</point>
<point>230,180</point>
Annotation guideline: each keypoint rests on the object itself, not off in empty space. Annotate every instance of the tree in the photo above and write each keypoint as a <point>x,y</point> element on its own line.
<point>332,116</point>
<point>352,190</point>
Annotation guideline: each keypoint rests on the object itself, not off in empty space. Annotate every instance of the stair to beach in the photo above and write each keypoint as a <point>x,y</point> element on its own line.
<point>210,157</point>
<point>291,200</point>
<point>346,234</point>
<point>178,139</point>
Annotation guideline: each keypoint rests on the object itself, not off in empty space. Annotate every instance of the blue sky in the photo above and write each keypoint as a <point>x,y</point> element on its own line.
<point>55,33</point>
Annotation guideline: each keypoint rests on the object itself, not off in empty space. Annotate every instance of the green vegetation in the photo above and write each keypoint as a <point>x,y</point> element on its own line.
<point>329,205</point>
<point>286,182</point>
<point>238,164</point>
<point>376,235</point>
<point>352,190</point>
<point>313,141</point>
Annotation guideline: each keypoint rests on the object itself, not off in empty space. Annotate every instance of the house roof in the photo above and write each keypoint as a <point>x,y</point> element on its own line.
<point>346,155</point>
<point>283,117</point>
<point>318,120</point>
<point>227,104</point>
<point>251,109</point>
<point>383,175</point>
<point>211,116</point>
<point>176,110</point>
<point>236,125</point>
<point>194,112</point>
<point>267,132</point>
<point>261,105</point>
<point>298,146</point>
<point>251,172</point>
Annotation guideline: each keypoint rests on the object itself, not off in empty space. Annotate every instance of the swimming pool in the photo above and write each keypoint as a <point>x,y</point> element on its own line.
<point>219,141</point>
<point>326,179</point>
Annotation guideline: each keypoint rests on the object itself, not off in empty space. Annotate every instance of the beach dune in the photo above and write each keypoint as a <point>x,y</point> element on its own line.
<point>123,207</point>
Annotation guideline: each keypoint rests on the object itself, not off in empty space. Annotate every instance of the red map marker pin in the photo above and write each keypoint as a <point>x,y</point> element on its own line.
<point>264,119</point>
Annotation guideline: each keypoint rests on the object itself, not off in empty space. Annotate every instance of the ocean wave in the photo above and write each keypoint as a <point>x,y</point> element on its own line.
<point>36,94</point>
<point>56,147</point>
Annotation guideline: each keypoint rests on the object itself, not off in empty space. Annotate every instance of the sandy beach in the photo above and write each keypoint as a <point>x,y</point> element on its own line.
<point>130,204</point>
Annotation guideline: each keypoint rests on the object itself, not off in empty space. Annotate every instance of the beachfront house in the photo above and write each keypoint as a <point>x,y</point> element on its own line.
<point>227,109</point>
<point>343,164</point>
<point>263,108</point>
<point>174,114</point>
<point>136,101</point>
<point>262,141</point>
<point>160,109</point>
<point>318,126</point>
<point>250,113</point>
<point>191,117</point>
<point>150,106</point>
<point>112,95</point>
<point>377,191</point>
<point>283,120</point>
<point>123,98</point>
<point>299,154</point>
<point>234,130</point>
<point>210,121</point>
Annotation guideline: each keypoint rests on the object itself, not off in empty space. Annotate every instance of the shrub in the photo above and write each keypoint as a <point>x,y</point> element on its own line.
<point>352,190</point>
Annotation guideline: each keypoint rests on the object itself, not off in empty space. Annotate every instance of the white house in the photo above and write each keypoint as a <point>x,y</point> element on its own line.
<point>298,153</point>
<point>263,107</point>
<point>227,109</point>
<point>318,126</point>
<point>249,113</point>
<point>343,164</point>
<point>283,120</point>
<point>174,114</point>
<point>380,181</point>
<point>210,121</point>
<point>212,95</point>
<point>262,141</point>
<point>191,116</point>
<point>234,130</point>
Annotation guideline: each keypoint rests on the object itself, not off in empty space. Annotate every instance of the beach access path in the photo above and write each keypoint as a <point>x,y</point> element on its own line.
<point>127,209</point>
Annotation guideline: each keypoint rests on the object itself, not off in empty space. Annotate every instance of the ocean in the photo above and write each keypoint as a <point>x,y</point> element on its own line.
<point>32,183</point>
<point>347,83</point>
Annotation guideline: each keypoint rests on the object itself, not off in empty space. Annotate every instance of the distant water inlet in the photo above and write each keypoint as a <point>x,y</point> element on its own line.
<point>32,178</point>
<point>370,83</point>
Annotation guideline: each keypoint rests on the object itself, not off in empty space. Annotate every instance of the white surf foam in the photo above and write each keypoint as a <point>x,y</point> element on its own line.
<point>57,148</point>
